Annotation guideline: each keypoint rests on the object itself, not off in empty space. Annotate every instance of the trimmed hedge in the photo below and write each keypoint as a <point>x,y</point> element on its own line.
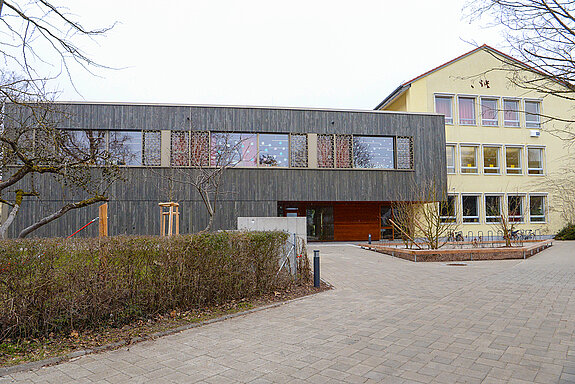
<point>567,233</point>
<point>57,285</point>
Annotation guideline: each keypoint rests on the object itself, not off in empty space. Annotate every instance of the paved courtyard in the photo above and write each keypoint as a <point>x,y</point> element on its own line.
<point>387,320</point>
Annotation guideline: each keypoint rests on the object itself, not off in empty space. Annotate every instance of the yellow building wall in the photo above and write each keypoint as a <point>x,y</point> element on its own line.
<point>462,78</point>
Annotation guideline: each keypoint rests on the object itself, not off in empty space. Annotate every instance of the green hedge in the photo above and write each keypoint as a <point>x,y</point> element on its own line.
<point>567,233</point>
<point>56,285</point>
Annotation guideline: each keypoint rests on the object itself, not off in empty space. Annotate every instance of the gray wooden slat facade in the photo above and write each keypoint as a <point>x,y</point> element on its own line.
<point>133,206</point>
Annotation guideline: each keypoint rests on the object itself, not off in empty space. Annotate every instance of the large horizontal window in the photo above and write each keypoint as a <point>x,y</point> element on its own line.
<point>273,150</point>
<point>126,147</point>
<point>233,149</point>
<point>88,145</point>
<point>373,152</point>
<point>230,149</point>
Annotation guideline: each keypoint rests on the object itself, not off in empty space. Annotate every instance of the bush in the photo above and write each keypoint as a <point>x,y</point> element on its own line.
<point>567,233</point>
<point>56,285</point>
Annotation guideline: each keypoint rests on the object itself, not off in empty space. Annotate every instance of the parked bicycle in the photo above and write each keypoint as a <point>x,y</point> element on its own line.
<point>455,236</point>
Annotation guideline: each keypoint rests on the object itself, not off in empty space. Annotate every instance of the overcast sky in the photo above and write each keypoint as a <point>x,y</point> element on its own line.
<point>313,53</point>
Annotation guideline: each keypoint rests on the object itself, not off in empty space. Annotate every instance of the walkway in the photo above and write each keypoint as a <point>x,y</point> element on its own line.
<point>388,320</point>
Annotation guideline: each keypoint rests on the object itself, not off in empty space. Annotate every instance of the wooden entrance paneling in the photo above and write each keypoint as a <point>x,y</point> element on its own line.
<point>355,221</point>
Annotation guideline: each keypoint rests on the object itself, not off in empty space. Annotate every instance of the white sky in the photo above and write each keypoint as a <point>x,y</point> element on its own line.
<point>314,53</point>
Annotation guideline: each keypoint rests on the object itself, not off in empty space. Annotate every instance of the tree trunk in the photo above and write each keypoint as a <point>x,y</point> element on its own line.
<point>5,225</point>
<point>12,215</point>
<point>59,213</point>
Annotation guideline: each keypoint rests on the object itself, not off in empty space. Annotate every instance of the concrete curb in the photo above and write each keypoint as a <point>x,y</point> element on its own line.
<point>72,355</point>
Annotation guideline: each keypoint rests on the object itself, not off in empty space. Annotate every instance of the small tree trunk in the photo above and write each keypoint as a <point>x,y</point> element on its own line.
<point>5,225</point>
<point>12,215</point>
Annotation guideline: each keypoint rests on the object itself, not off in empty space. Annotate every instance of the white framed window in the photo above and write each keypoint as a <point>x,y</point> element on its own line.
<point>513,160</point>
<point>511,112</point>
<point>532,114</point>
<point>489,112</point>
<point>466,110</point>
<point>492,208</point>
<point>537,208</point>
<point>450,153</point>
<point>444,106</point>
<point>470,208</point>
<point>468,154</point>
<point>515,208</point>
<point>535,157</point>
<point>491,155</point>
<point>448,209</point>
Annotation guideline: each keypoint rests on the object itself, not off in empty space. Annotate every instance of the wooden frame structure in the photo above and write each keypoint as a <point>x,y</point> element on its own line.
<point>172,216</point>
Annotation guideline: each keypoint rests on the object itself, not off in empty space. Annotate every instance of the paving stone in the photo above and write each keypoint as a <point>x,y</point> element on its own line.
<point>387,320</point>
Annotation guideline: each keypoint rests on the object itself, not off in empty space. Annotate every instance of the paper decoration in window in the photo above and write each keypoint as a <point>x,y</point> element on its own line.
<point>404,153</point>
<point>298,151</point>
<point>234,149</point>
<point>180,152</point>
<point>373,152</point>
<point>325,151</point>
<point>273,150</point>
<point>343,146</point>
<point>200,149</point>
<point>152,148</point>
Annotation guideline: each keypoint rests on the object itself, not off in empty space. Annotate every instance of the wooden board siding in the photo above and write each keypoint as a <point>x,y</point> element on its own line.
<point>355,221</point>
<point>249,191</point>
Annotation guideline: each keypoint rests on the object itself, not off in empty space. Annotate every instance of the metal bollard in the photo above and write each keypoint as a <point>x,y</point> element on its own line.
<point>316,268</point>
<point>369,239</point>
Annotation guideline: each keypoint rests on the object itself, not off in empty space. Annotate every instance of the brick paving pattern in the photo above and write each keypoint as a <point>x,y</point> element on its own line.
<point>387,320</point>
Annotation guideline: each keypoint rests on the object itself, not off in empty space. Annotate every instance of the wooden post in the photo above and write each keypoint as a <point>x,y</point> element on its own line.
<point>103,225</point>
<point>170,222</point>
<point>173,213</point>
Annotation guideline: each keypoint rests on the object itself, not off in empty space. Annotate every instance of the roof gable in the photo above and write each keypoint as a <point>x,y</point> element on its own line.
<point>404,86</point>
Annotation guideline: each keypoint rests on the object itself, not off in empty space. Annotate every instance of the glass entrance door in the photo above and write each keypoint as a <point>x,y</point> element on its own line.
<point>319,223</point>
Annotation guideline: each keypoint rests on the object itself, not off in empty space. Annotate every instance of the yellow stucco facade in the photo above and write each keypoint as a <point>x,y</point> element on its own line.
<point>498,152</point>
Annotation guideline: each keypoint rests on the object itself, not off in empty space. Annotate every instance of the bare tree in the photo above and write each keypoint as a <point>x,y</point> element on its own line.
<point>33,147</point>
<point>427,214</point>
<point>541,35</point>
<point>205,157</point>
<point>34,33</point>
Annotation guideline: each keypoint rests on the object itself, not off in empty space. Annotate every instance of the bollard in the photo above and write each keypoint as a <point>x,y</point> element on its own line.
<point>369,239</point>
<point>316,268</point>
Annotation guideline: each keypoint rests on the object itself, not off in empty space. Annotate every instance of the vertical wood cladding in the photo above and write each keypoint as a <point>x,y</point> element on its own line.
<point>133,205</point>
